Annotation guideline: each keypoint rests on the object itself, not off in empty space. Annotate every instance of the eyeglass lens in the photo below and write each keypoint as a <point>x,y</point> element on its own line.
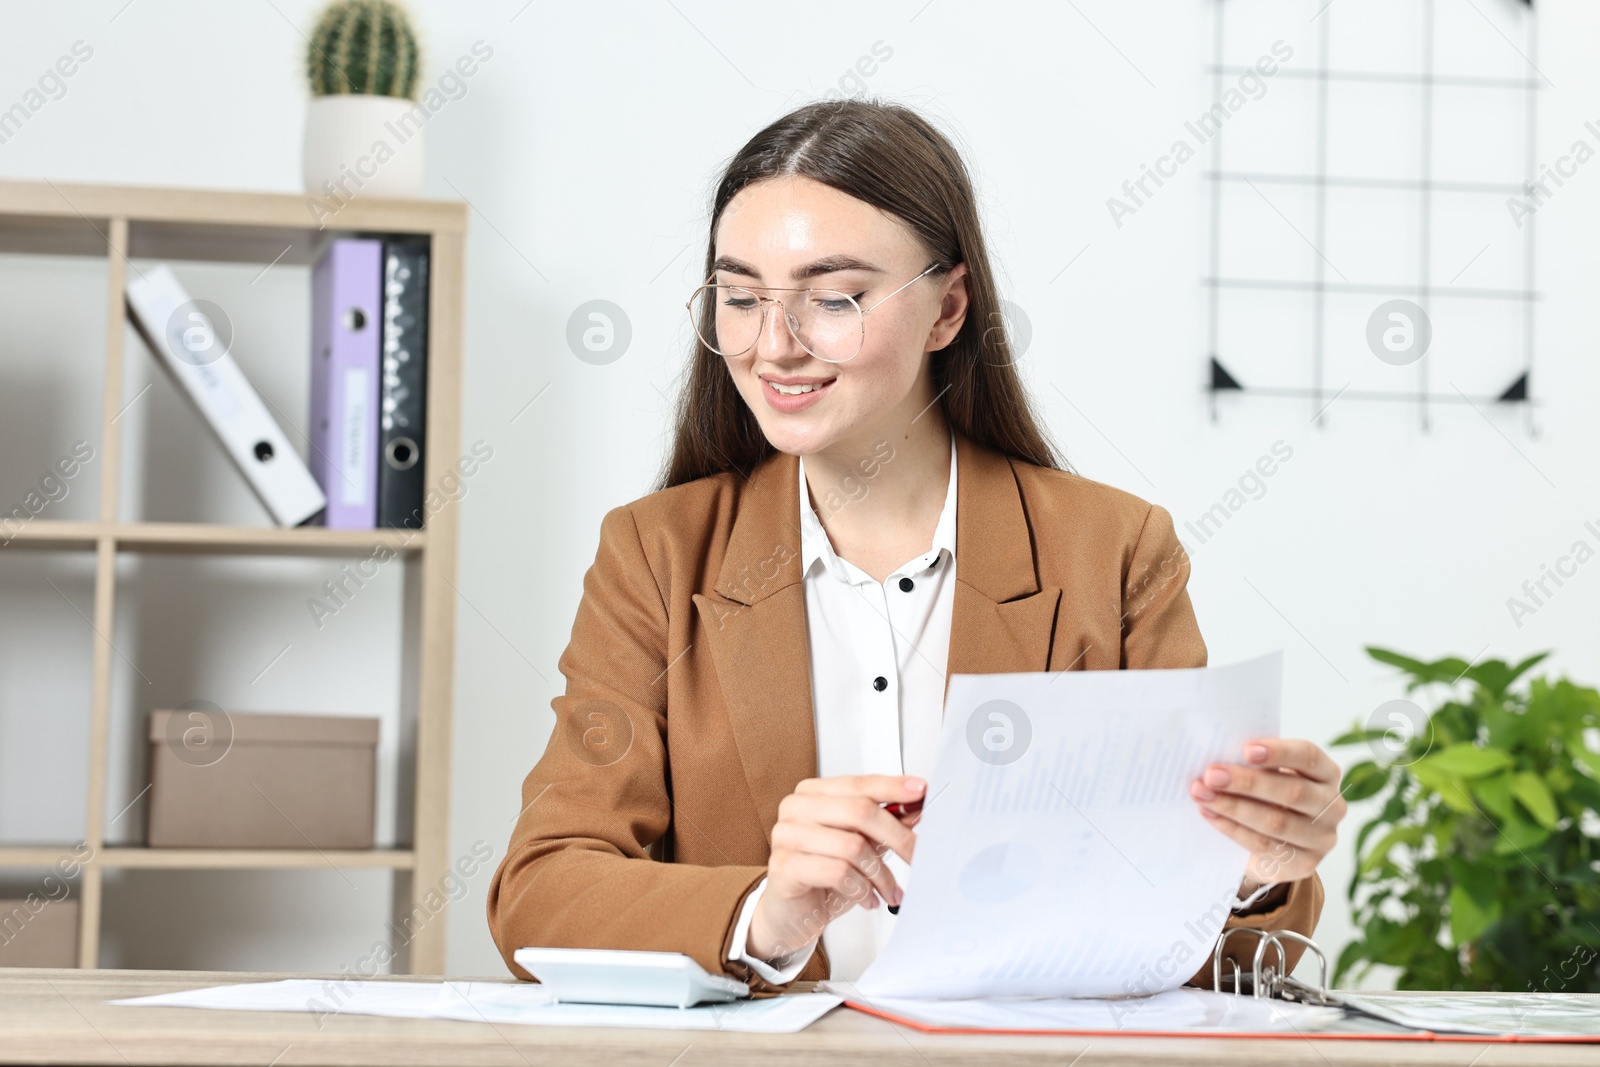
<point>827,323</point>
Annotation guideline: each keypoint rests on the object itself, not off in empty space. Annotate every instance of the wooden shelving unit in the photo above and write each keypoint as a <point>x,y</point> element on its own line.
<point>116,223</point>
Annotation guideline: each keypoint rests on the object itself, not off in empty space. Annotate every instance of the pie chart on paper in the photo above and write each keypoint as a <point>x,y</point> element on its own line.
<point>1001,872</point>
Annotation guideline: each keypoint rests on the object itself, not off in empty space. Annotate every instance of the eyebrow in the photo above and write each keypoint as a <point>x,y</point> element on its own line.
<point>827,265</point>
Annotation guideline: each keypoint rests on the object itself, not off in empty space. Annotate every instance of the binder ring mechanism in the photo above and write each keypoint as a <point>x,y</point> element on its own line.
<point>1272,982</point>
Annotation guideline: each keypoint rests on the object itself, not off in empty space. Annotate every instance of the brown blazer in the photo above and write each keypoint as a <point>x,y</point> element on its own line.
<point>687,716</point>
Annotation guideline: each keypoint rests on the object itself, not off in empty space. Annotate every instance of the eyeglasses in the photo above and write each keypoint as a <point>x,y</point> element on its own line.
<point>829,324</point>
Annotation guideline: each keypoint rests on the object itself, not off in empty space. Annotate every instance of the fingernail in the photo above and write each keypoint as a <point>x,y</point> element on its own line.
<point>1255,753</point>
<point>915,785</point>
<point>1217,778</point>
<point>1208,813</point>
<point>894,909</point>
<point>1201,792</point>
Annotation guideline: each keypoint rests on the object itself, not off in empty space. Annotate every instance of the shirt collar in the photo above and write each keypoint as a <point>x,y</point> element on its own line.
<point>815,545</point>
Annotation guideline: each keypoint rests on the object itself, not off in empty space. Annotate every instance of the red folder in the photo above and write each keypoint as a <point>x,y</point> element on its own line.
<point>1414,1035</point>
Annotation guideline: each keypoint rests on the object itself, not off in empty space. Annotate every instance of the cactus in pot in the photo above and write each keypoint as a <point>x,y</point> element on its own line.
<point>362,124</point>
<point>363,46</point>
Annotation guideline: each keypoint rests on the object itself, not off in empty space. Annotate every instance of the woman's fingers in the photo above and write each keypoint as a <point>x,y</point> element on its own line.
<point>1282,803</point>
<point>1286,772</point>
<point>1273,861</point>
<point>827,854</point>
<point>856,812</point>
<point>1287,790</point>
<point>805,892</point>
<point>1271,824</point>
<point>866,862</point>
<point>1294,754</point>
<point>883,788</point>
<point>815,871</point>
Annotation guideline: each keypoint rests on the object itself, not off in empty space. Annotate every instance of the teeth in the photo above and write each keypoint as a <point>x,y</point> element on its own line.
<point>794,390</point>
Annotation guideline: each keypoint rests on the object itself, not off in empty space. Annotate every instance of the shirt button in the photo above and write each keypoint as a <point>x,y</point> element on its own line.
<point>906,585</point>
<point>880,683</point>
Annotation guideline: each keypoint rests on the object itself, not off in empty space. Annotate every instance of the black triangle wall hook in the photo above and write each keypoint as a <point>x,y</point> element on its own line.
<point>1517,390</point>
<point>1221,379</point>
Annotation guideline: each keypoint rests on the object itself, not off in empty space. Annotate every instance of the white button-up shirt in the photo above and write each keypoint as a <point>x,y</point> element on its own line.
<point>878,657</point>
<point>878,652</point>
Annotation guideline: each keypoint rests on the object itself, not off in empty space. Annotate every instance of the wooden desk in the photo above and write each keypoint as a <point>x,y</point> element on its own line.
<point>61,1017</point>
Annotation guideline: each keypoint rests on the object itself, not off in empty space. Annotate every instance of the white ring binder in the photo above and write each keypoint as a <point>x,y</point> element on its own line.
<point>1273,982</point>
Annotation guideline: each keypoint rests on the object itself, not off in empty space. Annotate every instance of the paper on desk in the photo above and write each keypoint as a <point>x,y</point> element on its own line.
<point>323,998</point>
<point>1059,853</point>
<point>492,1002</point>
<point>1174,1011</point>
<point>1526,1015</point>
<point>497,1002</point>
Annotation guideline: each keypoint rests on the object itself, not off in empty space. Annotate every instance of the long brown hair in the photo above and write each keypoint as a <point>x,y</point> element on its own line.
<point>892,158</point>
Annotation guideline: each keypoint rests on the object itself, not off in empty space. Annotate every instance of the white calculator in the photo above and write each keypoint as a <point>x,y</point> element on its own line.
<point>619,976</point>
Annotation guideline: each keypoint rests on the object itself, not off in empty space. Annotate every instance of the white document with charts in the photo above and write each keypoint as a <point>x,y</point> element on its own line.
<point>1059,852</point>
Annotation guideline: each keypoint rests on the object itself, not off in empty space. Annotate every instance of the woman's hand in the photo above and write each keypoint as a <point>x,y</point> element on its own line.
<point>827,853</point>
<point>1282,803</point>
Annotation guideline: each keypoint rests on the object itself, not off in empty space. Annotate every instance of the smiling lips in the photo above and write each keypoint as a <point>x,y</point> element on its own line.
<point>793,394</point>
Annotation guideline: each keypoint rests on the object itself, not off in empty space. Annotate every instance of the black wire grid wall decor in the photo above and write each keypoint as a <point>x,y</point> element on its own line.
<point>1432,160</point>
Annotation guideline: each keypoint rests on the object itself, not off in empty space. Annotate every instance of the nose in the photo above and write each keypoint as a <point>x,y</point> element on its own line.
<point>777,341</point>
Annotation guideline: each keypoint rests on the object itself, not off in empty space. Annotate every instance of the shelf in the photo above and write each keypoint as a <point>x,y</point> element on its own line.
<point>61,218</point>
<point>253,858</point>
<point>23,235</point>
<point>119,225</point>
<point>35,855</point>
<point>46,535</point>
<point>202,538</point>
<point>196,859</point>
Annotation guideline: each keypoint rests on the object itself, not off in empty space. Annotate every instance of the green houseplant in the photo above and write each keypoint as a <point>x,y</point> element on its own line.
<point>1481,869</point>
<point>363,126</point>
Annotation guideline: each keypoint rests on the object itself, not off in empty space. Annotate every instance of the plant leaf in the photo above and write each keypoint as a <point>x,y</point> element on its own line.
<point>1517,835</point>
<point>1493,675</point>
<point>1584,794</point>
<point>1520,669</point>
<point>1352,954</point>
<point>1468,917</point>
<point>1363,780</point>
<point>1475,904</point>
<point>1467,760</point>
<point>1356,734</point>
<point>1506,727</point>
<point>1494,793</point>
<point>1447,787</point>
<point>1400,835</point>
<point>1582,754</point>
<point>1536,797</point>
<point>1421,673</point>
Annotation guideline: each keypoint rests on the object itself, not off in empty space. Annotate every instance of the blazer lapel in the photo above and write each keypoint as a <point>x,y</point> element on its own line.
<point>756,628</point>
<point>1002,620</point>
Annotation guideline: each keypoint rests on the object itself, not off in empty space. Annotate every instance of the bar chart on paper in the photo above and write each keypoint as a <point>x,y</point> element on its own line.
<point>1074,777</point>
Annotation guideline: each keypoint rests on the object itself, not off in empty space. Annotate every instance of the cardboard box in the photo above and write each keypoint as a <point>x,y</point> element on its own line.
<point>38,933</point>
<point>234,780</point>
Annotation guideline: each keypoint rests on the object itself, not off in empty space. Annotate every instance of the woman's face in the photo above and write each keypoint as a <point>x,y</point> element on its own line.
<point>796,232</point>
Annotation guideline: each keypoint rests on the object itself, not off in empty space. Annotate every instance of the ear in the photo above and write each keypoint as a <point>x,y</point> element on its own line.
<point>953,301</point>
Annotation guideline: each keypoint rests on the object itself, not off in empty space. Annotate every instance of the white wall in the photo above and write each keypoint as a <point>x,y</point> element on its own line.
<point>587,146</point>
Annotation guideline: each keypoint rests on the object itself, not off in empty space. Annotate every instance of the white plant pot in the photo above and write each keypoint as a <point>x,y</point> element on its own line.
<point>360,146</point>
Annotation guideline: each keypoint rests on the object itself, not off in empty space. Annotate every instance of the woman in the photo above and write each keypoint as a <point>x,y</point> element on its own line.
<point>758,662</point>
